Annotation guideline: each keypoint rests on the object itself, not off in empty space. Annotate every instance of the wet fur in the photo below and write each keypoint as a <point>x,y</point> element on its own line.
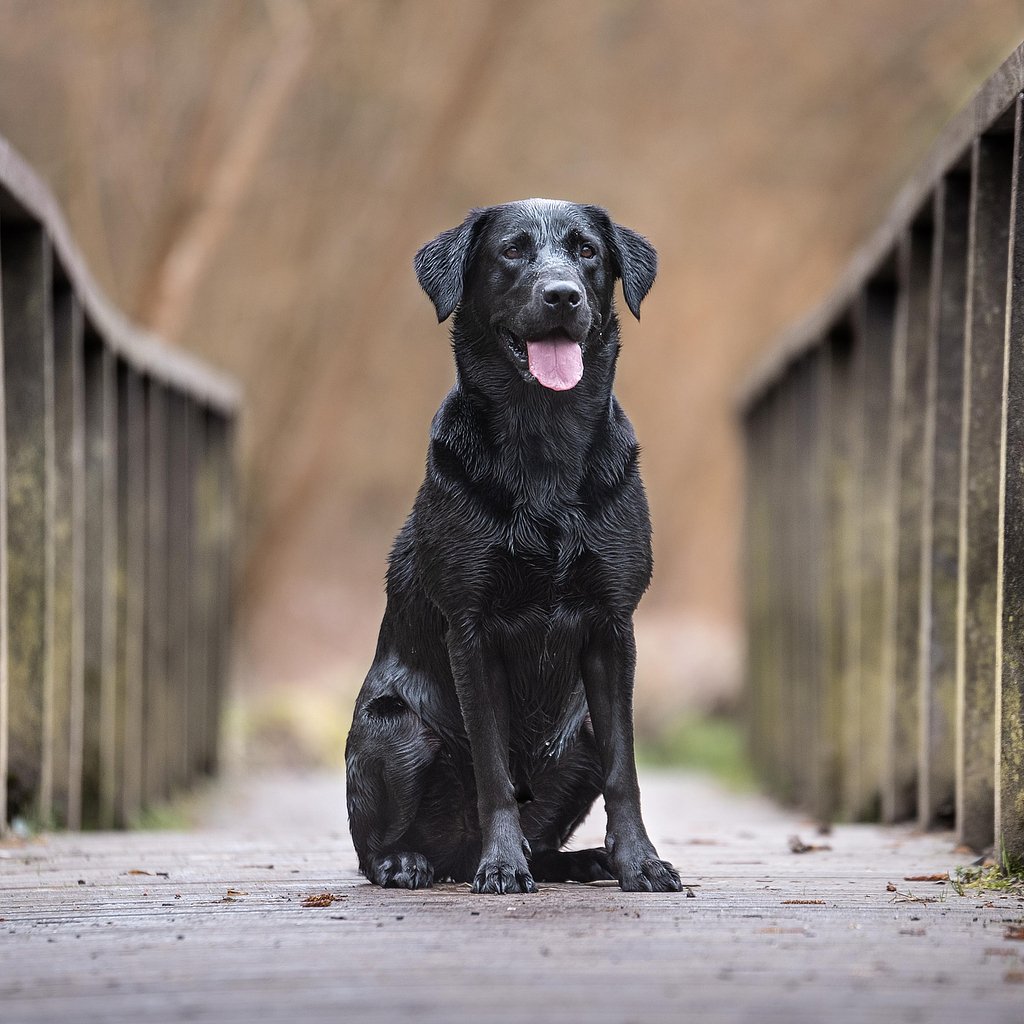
<point>499,702</point>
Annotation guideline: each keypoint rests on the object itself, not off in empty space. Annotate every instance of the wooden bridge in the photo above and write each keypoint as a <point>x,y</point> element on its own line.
<point>884,579</point>
<point>885,528</point>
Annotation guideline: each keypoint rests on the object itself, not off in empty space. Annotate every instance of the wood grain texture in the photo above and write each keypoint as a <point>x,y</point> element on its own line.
<point>86,937</point>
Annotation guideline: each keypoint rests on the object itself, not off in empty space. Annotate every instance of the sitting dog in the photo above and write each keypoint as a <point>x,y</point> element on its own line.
<point>500,699</point>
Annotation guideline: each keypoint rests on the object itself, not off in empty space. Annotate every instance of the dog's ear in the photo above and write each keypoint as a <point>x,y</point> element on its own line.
<point>638,266</point>
<point>635,259</point>
<point>441,264</point>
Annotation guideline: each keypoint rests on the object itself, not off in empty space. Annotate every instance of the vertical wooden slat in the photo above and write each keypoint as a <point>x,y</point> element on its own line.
<point>941,515</point>
<point>874,324</point>
<point>757,541</point>
<point>770,725</point>
<point>821,783</point>
<point>1009,705</point>
<point>131,482</point>
<point>222,442</point>
<point>786,704</point>
<point>68,523</point>
<point>28,385</point>
<point>902,714</point>
<point>5,695</point>
<point>854,779</point>
<point>102,741</point>
<point>156,767</point>
<point>795,576</point>
<point>979,486</point>
<point>841,609</point>
<point>199,591</point>
<point>178,585</point>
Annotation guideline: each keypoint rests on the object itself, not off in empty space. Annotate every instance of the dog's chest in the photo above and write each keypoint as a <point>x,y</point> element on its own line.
<point>550,566</point>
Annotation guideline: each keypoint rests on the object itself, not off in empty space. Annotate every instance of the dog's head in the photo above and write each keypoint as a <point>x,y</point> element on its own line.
<point>537,278</point>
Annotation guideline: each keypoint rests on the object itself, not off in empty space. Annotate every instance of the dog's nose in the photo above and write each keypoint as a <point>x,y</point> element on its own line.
<point>560,293</point>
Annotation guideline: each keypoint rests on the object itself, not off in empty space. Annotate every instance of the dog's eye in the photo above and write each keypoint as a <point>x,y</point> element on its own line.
<point>588,252</point>
<point>511,252</point>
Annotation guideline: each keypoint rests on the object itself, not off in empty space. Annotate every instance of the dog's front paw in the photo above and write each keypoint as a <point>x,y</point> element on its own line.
<point>500,876</point>
<point>649,874</point>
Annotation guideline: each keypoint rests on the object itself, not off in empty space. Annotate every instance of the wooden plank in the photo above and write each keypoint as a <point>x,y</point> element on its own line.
<point>773,712</point>
<point>789,583</point>
<point>874,324</point>
<point>851,442</point>
<point>201,590</point>
<point>941,536</point>
<point>821,784</point>
<point>222,444</point>
<point>799,715</point>
<point>1009,706</point>
<point>756,549</point>
<point>979,486</point>
<point>156,726</point>
<point>68,553</point>
<point>902,713</point>
<point>101,757</point>
<point>124,947</point>
<point>840,610</point>
<point>5,698</point>
<point>179,530</point>
<point>28,386</point>
<point>131,482</point>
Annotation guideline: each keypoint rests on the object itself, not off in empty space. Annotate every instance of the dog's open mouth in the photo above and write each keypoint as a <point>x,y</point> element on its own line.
<point>555,361</point>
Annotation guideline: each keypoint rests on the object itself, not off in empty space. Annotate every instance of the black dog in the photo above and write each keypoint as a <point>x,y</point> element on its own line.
<point>499,703</point>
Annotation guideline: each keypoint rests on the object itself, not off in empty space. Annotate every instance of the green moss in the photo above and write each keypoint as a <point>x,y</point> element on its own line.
<point>1006,878</point>
<point>712,745</point>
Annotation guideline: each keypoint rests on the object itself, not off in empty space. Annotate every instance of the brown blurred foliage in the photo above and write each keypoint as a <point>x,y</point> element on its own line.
<point>252,177</point>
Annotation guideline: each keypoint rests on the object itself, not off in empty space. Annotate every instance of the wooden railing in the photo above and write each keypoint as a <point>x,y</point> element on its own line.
<point>885,509</point>
<point>115,539</point>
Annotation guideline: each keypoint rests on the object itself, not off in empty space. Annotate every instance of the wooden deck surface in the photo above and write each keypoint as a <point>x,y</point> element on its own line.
<point>209,925</point>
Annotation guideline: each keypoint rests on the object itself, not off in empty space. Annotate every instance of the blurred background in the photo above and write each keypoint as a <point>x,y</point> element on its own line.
<point>251,179</point>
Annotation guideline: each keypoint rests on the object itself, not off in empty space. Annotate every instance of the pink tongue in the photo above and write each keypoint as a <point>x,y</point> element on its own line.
<point>557,363</point>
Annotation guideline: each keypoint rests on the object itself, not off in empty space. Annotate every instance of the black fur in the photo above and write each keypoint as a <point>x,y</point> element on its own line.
<point>499,702</point>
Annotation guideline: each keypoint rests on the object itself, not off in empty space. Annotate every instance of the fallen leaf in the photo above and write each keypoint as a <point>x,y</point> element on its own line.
<point>322,899</point>
<point>944,877</point>
<point>1015,931</point>
<point>137,871</point>
<point>804,903</point>
<point>237,892</point>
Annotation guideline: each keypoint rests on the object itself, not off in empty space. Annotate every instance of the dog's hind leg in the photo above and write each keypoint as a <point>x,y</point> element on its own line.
<point>387,759</point>
<point>564,798</point>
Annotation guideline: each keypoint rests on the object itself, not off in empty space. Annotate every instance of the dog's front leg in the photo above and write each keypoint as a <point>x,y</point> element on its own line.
<point>483,696</point>
<point>608,667</point>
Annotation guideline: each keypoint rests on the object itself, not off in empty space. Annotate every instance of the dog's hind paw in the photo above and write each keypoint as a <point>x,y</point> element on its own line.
<point>402,871</point>
<point>572,865</point>
<point>499,877</point>
<point>650,875</point>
